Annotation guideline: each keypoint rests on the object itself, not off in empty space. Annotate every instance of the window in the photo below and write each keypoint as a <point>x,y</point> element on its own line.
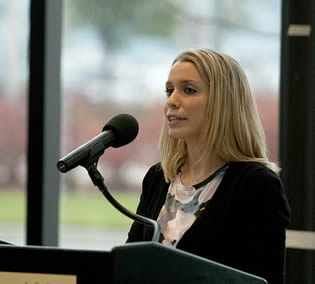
<point>116,58</point>
<point>13,119</point>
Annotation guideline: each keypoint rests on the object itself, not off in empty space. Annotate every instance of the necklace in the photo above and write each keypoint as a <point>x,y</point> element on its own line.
<point>193,179</point>
<point>196,177</point>
<point>205,176</point>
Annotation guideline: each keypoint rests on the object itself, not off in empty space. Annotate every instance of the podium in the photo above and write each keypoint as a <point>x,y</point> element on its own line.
<point>143,262</point>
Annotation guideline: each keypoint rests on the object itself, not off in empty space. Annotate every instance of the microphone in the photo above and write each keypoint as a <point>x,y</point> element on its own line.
<point>119,131</point>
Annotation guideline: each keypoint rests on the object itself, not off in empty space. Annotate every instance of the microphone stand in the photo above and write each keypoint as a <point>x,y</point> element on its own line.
<point>98,180</point>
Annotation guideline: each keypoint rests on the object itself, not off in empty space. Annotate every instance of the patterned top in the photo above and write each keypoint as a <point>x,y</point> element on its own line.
<point>184,204</point>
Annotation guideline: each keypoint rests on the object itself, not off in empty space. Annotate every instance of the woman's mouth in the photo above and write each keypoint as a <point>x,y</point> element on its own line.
<point>172,119</point>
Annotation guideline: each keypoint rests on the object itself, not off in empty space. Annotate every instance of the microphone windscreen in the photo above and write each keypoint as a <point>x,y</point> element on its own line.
<point>125,128</point>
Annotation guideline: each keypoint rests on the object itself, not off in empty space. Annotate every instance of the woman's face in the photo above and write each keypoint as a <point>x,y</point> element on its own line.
<point>187,101</point>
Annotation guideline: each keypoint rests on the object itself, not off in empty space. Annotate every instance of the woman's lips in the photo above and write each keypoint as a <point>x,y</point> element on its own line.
<point>173,119</point>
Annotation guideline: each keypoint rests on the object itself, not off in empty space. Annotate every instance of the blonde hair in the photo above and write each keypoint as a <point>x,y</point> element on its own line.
<point>232,129</point>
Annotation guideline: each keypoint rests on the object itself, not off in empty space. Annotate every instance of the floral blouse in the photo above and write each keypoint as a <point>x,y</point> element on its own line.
<point>184,204</point>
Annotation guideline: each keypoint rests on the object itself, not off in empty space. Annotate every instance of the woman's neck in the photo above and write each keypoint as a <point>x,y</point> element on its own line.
<point>198,167</point>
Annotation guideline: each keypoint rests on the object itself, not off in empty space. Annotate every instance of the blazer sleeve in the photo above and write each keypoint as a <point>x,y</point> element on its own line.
<point>261,216</point>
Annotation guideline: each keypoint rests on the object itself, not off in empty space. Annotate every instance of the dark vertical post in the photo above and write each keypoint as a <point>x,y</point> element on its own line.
<point>297,129</point>
<point>44,122</point>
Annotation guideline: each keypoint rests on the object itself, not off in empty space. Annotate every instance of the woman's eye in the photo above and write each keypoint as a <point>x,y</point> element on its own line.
<point>189,90</point>
<point>169,91</point>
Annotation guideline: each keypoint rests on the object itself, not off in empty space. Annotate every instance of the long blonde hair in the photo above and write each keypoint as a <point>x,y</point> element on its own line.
<point>232,129</point>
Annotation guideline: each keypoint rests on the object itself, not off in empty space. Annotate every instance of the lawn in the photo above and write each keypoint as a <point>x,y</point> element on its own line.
<point>75,208</point>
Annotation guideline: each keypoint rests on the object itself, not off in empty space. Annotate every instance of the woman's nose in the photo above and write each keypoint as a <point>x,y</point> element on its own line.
<point>173,100</point>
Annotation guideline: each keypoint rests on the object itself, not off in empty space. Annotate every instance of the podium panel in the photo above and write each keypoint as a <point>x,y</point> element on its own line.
<point>155,263</point>
<point>146,262</point>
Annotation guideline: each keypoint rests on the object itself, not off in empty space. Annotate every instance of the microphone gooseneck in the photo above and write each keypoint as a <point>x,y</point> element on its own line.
<point>98,181</point>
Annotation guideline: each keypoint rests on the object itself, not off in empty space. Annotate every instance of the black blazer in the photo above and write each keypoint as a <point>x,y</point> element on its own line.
<point>242,226</point>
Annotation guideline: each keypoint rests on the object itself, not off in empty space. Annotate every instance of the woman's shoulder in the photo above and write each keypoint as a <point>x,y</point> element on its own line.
<point>252,169</point>
<point>254,185</point>
<point>155,171</point>
<point>154,186</point>
<point>253,176</point>
<point>252,180</point>
<point>154,176</point>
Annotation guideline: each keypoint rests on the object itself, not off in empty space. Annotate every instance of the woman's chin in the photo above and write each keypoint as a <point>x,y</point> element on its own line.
<point>176,134</point>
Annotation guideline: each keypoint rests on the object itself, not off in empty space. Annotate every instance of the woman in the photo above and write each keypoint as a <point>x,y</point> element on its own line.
<point>215,193</point>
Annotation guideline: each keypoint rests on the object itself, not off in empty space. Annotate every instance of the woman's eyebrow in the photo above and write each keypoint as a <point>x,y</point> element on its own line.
<point>183,82</point>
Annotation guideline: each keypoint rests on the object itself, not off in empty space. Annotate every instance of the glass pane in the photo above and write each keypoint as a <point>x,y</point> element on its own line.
<point>116,58</point>
<point>13,119</point>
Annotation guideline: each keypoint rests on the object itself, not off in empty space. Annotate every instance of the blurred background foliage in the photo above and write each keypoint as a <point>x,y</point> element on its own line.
<point>118,20</point>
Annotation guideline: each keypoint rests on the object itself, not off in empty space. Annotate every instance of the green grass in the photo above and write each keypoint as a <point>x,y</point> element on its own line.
<point>94,209</point>
<point>75,208</point>
<point>12,206</point>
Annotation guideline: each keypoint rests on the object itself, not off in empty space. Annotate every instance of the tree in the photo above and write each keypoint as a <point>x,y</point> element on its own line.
<point>116,21</point>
